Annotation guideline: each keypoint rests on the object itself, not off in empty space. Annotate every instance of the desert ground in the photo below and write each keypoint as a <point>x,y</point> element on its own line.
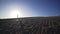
<point>30,25</point>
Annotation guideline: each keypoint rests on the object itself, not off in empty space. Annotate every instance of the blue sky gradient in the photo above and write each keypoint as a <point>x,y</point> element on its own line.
<point>33,7</point>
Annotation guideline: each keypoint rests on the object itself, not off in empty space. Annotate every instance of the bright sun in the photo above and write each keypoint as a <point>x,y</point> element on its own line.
<point>15,13</point>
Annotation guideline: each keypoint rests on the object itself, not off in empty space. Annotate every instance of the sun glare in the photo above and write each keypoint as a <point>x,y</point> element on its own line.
<point>15,13</point>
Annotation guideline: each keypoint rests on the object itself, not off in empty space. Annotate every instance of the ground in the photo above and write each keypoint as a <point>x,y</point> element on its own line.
<point>30,25</point>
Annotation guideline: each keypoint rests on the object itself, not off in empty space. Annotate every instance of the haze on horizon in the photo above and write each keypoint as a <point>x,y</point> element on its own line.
<point>29,8</point>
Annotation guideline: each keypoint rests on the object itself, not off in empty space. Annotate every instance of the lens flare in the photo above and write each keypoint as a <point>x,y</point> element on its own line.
<point>14,13</point>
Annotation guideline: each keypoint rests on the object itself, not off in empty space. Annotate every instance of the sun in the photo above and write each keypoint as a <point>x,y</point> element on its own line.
<point>14,13</point>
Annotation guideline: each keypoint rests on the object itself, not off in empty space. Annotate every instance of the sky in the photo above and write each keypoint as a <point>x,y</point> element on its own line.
<point>29,8</point>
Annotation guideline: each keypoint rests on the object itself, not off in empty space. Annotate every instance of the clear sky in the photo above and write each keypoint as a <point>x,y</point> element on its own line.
<point>29,8</point>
